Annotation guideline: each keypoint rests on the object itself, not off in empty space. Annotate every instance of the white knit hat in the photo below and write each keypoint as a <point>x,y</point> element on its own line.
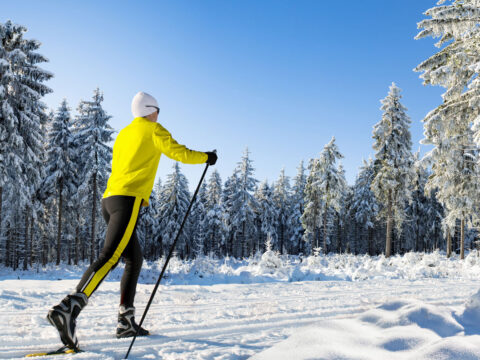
<point>143,104</point>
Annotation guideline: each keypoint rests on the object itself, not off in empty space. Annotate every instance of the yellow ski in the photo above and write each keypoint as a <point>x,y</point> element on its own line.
<point>62,351</point>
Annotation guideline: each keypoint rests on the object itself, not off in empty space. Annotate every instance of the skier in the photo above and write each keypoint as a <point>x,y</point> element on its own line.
<point>136,154</point>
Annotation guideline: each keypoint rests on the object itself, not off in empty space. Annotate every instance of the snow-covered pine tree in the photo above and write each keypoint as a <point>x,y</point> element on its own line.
<point>59,180</point>
<point>214,227</point>
<point>295,228</point>
<point>323,192</point>
<point>364,206</point>
<point>415,228</point>
<point>174,201</point>
<point>393,162</point>
<point>243,205</point>
<point>310,218</point>
<point>267,216</point>
<point>341,210</point>
<point>282,201</point>
<point>197,220</point>
<point>147,228</point>
<point>228,211</point>
<point>21,113</point>
<point>449,126</point>
<point>92,133</point>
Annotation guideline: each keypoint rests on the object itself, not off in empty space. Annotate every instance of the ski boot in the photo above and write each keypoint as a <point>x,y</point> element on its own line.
<point>63,317</point>
<point>127,327</point>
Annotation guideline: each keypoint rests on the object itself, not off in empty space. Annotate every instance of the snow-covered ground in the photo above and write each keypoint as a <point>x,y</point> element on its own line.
<point>410,307</point>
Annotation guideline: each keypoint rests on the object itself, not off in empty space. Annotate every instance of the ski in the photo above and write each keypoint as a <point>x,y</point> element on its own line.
<point>62,351</point>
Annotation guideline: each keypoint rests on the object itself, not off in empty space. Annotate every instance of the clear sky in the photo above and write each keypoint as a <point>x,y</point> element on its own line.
<point>281,77</point>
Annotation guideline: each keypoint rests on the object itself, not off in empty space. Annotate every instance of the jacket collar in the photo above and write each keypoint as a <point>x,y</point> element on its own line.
<point>140,119</point>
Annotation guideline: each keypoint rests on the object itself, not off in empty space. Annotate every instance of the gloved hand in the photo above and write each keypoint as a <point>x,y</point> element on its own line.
<point>212,157</point>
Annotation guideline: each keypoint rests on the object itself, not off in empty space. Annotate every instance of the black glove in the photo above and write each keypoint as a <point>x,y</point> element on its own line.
<point>212,158</point>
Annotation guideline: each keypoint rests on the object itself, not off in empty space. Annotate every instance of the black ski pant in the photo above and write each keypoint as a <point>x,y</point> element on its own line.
<point>121,214</point>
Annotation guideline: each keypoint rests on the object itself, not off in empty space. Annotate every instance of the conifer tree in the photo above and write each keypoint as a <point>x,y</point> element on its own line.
<point>295,228</point>
<point>214,226</point>
<point>92,133</point>
<point>364,204</point>
<point>198,222</point>
<point>393,162</point>
<point>243,205</point>
<point>281,198</point>
<point>22,114</point>
<point>230,226</point>
<point>59,171</point>
<point>267,216</point>
<point>449,126</point>
<point>323,192</point>
<point>174,201</point>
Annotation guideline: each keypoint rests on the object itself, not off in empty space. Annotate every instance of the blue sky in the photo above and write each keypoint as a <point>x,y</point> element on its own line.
<point>281,77</point>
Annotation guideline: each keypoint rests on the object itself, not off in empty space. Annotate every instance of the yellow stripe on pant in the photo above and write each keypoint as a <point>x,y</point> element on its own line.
<point>103,271</point>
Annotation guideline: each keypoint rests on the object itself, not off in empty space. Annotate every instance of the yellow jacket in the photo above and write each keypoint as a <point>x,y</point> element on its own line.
<point>136,154</point>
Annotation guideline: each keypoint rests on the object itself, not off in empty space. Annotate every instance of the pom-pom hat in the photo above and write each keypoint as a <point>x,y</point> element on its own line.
<point>143,104</point>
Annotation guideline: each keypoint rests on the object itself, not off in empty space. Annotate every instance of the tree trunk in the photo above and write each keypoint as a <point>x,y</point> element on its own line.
<point>25,242</point>
<point>370,241</point>
<point>339,236</point>
<point>7,248</point>
<point>14,243</point>
<point>59,223</point>
<point>31,253</point>
<point>76,246</point>
<point>462,239</point>
<point>325,229</point>
<point>1,190</point>
<point>94,204</point>
<point>388,245</point>
<point>244,241</point>
<point>281,239</point>
<point>44,250</point>
<point>449,243</point>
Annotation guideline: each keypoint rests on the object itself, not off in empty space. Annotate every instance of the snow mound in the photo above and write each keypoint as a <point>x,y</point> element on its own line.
<point>471,315</point>
<point>396,330</point>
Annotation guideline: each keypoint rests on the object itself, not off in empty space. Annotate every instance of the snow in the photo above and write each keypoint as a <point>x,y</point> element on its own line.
<point>412,307</point>
<point>398,329</point>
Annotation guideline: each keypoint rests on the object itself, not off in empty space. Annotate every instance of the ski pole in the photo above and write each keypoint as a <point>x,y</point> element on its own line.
<point>168,259</point>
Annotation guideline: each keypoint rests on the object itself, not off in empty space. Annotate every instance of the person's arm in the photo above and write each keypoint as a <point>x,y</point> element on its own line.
<point>169,146</point>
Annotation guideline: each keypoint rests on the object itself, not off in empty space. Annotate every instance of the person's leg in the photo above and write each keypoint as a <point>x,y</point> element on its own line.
<point>133,264</point>
<point>123,215</point>
<point>127,326</point>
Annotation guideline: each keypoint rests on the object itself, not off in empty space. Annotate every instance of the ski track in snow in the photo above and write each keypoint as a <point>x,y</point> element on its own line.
<point>222,321</point>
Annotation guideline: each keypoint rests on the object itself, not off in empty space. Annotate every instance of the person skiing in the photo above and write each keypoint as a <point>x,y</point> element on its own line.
<point>136,154</point>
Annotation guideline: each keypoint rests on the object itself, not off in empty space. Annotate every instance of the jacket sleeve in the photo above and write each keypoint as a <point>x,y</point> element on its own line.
<point>164,142</point>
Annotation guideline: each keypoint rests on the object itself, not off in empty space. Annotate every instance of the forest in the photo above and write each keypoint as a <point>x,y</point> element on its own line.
<point>55,163</point>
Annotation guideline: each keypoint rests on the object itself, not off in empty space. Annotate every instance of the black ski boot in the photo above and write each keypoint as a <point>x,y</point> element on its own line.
<point>63,316</point>
<point>127,327</point>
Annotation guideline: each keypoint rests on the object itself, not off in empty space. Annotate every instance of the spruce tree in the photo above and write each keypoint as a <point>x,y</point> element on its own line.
<point>22,114</point>
<point>393,162</point>
<point>174,201</point>
<point>214,226</point>
<point>230,226</point>
<point>267,216</point>
<point>60,175</point>
<point>295,228</point>
<point>91,135</point>
<point>449,126</point>
<point>364,205</point>
<point>323,193</point>
<point>243,204</point>
<point>281,198</point>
